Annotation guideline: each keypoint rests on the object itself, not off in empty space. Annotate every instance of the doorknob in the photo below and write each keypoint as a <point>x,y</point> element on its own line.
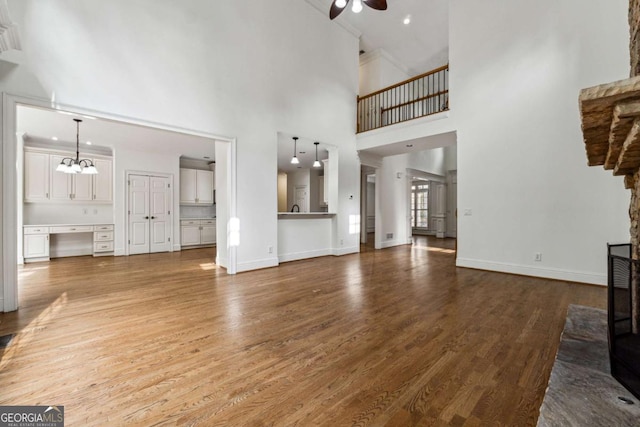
<point>153,217</point>
<point>146,217</point>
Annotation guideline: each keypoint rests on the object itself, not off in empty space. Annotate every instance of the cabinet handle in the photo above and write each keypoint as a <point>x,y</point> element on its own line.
<point>153,217</point>
<point>94,197</point>
<point>47,196</point>
<point>146,217</point>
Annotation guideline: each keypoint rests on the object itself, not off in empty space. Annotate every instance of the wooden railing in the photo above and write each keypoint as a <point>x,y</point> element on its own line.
<point>416,97</point>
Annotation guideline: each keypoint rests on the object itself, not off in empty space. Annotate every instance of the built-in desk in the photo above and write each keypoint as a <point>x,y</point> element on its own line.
<point>37,239</point>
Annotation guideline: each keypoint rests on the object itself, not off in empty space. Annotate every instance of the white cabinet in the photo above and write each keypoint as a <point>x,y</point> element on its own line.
<point>103,181</point>
<point>102,239</point>
<point>207,232</point>
<point>42,183</point>
<point>196,232</point>
<point>64,186</point>
<point>36,244</point>
<point>36,177</point>
<point>196,187</point>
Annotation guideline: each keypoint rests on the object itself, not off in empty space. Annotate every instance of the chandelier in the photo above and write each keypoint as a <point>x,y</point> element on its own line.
<point>77,165</point>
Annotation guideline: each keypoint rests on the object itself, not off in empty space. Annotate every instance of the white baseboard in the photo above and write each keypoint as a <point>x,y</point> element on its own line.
<point>2,305</point>
<point>304,255</point>
<point>392,243</point>
<point>176,247</point>
<point>63,253</point>
<point>222,262</point>
<point>256,265</point>
<point>119,252</point>
<point>525,270</point>
<point>346,251</point>
<point>20,262</point>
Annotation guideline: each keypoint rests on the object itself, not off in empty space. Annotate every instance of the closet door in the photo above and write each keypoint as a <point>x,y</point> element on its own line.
<point>159,222</point>
<point>138,214</point>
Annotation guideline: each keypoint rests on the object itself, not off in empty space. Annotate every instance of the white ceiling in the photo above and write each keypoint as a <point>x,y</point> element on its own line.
<point>41,125</point>
<point>306,152</point>
<point>420,46</point>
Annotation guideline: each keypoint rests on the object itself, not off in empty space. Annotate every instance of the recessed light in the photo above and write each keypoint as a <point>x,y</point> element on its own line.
<point>409,145</point>
<point>207,157</point>
<point>302,152</point>
<point>88,142</point>
<point>55,138</point>
<point>407,20</point>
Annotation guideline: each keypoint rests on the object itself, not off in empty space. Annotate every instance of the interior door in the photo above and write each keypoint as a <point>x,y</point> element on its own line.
<point>300,197</point>
<point>159,205</point>
<point>138,214</point>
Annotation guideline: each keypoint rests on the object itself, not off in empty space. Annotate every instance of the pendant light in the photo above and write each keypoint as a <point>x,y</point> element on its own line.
<point>316,164</point>
<point>77,165</point>
<point>357,6</point>
<point>294,159</point>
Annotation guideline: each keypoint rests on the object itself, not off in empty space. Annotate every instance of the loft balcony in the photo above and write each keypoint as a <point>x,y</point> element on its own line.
<point>420,96</point>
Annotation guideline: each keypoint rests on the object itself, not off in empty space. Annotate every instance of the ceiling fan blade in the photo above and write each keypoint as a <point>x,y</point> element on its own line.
<point>376,4</point>
<point>335,10</point>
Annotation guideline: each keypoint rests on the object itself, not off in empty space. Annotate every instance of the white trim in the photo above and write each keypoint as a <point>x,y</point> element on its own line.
<point>346,251</point>
<point>370,159</point>
<point>9,229</point>
<point>8,156</point>
<point>381,53</point>
<point>322,8</point>
<point>232,183</point>
<point>177,247</point>
<point>525,270</point>
<point>406,124</point>
<point>256,265</point>
<point>392,243</point>
<point>171,178</point>
<point>294,256</point>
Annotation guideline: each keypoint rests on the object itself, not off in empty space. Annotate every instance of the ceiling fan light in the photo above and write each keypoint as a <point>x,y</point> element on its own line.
<point>357,6</point>
<point>341,3</point>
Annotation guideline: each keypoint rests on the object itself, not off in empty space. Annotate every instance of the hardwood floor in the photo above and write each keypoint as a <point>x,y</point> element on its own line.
<point>391,337</point>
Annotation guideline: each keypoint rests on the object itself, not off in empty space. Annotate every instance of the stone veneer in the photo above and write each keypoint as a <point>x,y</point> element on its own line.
<point>611,128</point>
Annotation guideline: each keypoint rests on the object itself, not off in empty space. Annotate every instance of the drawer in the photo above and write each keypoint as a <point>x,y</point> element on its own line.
<point>208,221</point>
<point>71,229</point>
<point>189,222</point>
<point>103,227</point>
<point>103,247</point>
<point>102,236</point>
<point>36,230</point>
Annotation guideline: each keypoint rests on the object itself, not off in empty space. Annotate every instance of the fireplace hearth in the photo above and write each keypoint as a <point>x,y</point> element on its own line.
<point>624,344</point>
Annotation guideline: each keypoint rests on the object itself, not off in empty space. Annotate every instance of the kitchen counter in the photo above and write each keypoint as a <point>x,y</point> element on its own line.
<point>305,215</point>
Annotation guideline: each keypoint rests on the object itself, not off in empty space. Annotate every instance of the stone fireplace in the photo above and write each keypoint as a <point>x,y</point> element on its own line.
<point>611,128</point>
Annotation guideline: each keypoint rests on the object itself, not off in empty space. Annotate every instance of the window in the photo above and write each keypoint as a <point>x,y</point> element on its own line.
<point>420,206</point>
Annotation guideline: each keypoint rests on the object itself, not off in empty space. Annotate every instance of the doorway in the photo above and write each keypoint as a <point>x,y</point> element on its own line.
<point>149,213</point>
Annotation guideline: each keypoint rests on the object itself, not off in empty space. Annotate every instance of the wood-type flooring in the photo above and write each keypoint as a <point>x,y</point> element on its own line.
<point>396,337</point>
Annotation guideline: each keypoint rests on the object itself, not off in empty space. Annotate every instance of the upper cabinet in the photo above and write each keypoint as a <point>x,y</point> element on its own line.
<point>196,187</point>
<point>36,176</point>
<point>43,183</point>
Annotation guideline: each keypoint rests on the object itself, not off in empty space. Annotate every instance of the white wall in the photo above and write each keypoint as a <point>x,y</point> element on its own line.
<point>393,185</point>
<point>516,71</point>
<point>378,70</point>
<point>187,65</point>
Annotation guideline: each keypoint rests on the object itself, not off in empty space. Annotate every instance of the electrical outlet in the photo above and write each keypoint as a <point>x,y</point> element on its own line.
<point>389,235</point>
<point>538,257</point>
<point>270,249</point>
<point>468,212</point>
<point>341,242</point>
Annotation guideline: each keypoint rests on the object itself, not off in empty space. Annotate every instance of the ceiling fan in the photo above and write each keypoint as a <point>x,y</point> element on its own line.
<point>339,5</point>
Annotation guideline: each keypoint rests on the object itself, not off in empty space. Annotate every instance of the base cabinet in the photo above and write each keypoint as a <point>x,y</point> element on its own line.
<point>195,233</point>
<point>36,246</point>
